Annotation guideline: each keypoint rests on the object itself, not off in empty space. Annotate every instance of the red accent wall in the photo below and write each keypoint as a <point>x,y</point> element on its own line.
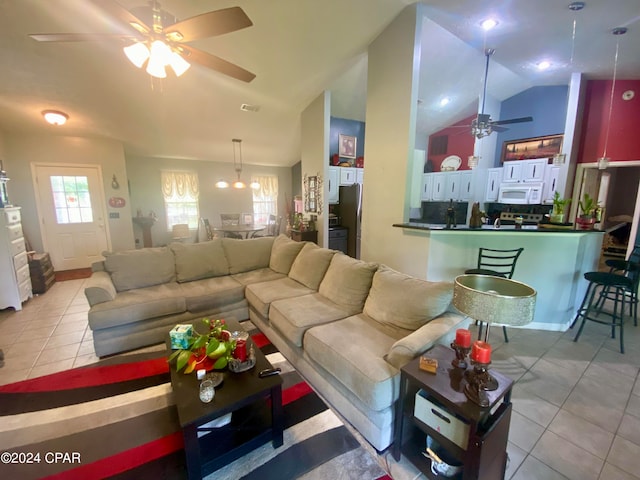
<point>624,140</point>
<point>460,143</point>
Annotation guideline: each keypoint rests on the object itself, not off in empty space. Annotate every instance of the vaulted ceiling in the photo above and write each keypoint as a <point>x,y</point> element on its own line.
<point>297,49</point>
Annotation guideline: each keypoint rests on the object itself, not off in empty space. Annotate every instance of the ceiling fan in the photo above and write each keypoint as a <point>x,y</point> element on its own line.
<point>482,125</point>
<point>162,41</point>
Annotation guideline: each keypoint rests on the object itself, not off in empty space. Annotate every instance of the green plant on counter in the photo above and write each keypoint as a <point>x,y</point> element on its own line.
<point>588,205</point>
<point>559,204</point>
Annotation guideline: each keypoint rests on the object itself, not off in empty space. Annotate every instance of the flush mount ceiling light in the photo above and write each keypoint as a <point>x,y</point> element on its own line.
<point>543,65</point>
<point>55,117</point>
<point>488,24</point>
<point>603,161</point>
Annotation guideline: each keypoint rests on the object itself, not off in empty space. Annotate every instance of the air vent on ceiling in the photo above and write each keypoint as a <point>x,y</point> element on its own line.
<point>245,107</point>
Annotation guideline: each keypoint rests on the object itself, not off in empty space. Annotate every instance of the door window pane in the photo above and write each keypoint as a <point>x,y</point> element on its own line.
<point>71,199</point>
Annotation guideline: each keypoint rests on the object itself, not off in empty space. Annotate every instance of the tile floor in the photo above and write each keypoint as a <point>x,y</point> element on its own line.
<point>576,406</point>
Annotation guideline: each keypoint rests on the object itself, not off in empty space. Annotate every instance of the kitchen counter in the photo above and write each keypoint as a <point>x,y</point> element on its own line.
<point>553,261</point>
<point>547,228</point>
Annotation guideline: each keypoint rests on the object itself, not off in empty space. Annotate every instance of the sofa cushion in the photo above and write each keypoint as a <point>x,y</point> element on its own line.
<point>256,276</point>
<point>294,316</point>
<point>352,351</point>
<point>260,295</point>
<point>283,253</point>
<point>140,268</point>
<point>347,282</point>
<point>405,301</point>
<point>212,293</point>
<point>199,260</point>
<point>137,305</point>
<point>311,264</point>
<point>245,255</point>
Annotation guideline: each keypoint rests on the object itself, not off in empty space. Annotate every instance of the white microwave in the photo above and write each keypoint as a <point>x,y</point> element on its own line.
<point>520,193</point>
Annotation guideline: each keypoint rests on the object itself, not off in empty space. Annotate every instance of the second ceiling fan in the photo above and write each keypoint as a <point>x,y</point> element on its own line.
<point>482,125</point>
<point>155,45</point>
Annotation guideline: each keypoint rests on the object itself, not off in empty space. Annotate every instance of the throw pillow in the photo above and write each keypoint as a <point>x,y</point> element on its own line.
<point>310,265</point>
<point>283,253</point>
<point>195,261</point>
<point>404,301</point>
<point>140,268</point>
<point>347,282</point>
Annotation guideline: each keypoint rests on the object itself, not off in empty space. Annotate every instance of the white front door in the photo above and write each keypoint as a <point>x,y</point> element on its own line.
<point>72,214</point>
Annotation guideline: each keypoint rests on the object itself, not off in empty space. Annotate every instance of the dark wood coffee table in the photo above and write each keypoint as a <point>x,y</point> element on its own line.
<point>255,420</point>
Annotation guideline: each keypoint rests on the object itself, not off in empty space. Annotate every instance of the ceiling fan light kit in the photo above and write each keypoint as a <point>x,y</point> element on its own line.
<point>55,117</point>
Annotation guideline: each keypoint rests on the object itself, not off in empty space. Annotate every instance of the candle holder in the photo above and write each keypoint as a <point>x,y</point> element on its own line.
<point>479,382</point>
<point>461,356</point>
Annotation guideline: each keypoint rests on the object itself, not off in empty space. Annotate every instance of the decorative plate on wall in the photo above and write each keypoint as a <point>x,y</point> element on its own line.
<point>452,162</point>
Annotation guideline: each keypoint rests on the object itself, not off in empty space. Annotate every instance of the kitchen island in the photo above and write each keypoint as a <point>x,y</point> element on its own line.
<point>553,262</point>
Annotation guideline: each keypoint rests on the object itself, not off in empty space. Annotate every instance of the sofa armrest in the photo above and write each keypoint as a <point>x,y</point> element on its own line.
<point>422,339</point>
<point>99,288</point>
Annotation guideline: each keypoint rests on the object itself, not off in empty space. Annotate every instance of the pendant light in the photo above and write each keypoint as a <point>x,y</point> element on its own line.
<point>603,161</point>
<point>237,166</point>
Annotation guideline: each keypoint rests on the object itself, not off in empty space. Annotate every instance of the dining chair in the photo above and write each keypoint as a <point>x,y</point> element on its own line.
<point>206,226</point>
<point>270,229</point>
<point>227,219</point>
<point>497,263</point>
<point>246,219</point>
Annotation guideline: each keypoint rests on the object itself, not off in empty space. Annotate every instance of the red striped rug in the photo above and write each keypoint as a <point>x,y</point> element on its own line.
<point>116,419</point>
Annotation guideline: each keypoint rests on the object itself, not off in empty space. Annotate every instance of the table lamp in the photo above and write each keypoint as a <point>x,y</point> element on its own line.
<point>490,299</point>
<point>180,232</point>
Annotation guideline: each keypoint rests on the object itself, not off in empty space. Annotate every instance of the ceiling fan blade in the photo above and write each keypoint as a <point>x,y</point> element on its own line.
<point>216,63</point>
<point>513,120</point>
<point>496,128</point>
<point>208,24</point>
<point>125,16</point>
<point>78,37</point>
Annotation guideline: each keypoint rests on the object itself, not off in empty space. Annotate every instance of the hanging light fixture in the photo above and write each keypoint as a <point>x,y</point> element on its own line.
<point>237,166</point>
<point>603,161</point>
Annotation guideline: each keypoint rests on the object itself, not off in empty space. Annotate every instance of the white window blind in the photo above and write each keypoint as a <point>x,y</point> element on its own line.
<point>265,198</point>
<point>180,191</point>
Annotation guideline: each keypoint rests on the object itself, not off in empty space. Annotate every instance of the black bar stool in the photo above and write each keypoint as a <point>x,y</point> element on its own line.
<point>629,268</point>
<point>617,287</point>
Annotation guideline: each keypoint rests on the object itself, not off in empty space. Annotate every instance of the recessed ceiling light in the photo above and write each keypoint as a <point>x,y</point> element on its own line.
<point>543,65</point>
<point>488,24</point>
<point>444,101</point>
<point>55,117</point>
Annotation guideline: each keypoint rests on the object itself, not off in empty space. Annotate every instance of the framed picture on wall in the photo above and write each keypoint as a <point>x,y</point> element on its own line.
<point>347,146</point>
<point>536,147</point>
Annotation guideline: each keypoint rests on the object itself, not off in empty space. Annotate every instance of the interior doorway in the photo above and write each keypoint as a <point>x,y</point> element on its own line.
<point>618,191</point>
<point>71,210</point>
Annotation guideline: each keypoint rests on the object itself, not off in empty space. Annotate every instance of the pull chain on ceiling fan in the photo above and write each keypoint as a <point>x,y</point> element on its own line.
<point>158,46</point>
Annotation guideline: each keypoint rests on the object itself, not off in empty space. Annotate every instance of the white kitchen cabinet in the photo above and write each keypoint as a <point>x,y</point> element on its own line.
<point>551,179</point>
<point>453,186</point>
<point>466,185</point>
<point>347,175</point>
<point>438,186</point>
<point>15,279</point>
<point>494,178</point>
<point>334,185</point>
<point>360,176</point>
<point>533,170</point>
<point>427,186</point>
<point>512,172</point>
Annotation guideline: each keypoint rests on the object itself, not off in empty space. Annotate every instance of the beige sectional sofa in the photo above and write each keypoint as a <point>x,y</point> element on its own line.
<point>346,325</point>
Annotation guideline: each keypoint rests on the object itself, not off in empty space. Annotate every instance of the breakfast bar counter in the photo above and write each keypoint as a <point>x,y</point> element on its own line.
<point>553,262</point>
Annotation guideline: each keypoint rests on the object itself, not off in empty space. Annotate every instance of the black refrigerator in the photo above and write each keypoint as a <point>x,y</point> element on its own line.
<point>350,207</point>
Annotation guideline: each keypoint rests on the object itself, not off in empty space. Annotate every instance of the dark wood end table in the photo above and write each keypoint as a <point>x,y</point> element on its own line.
<point>257,415</point>
<point>485,455</point>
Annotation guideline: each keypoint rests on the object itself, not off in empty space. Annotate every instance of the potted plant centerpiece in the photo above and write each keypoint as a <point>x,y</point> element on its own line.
<point>588,207</point>
<point>558,213</point>
<point>211,350</point>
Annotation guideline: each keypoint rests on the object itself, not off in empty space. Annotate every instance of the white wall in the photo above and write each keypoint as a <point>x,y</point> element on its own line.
<point>23,150</point>
<point>392,94</point>
<point>315,154</point>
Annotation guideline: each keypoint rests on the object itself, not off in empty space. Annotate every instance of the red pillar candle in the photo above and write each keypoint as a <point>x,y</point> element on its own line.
<point>463,338</point>
<point>481,352</point>
<point>240,351</point>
